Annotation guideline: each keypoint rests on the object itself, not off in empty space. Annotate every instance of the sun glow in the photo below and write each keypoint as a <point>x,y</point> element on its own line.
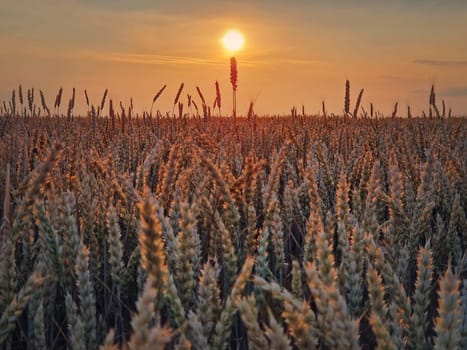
<point>233,40</point>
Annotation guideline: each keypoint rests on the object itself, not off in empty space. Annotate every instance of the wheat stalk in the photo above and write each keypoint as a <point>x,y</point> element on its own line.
<point>19,302</point>
<point>449,322</point>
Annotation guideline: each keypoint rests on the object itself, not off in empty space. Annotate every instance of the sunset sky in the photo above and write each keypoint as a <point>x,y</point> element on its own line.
<point>296,52</point>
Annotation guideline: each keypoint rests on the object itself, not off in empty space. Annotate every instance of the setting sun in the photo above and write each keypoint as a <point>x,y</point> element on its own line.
<point>233,40</point>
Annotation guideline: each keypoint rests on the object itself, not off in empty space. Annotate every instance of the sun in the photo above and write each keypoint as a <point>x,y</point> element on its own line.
<point>233,40</point>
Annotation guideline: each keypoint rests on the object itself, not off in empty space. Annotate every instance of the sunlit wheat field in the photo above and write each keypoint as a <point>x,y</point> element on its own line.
<point>188,230</point>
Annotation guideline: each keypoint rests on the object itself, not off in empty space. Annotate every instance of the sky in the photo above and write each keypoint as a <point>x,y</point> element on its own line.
<point>297,52</point>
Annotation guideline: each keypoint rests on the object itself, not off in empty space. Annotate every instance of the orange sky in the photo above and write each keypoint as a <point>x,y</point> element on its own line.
<point>296,52</point>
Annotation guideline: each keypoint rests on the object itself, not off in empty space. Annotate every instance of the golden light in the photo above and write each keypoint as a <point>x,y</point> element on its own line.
<point>233,40</point>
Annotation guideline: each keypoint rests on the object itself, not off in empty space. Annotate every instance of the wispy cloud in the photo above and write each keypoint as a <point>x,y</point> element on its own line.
<point>156,59</point>
<point>277,58</point>
<point>420,92</point>
<point>455,91</point>
<point>403,79</point>
<point>441,63</point>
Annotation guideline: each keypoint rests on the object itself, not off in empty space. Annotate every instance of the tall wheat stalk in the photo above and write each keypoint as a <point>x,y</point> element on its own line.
<point>233,81</point>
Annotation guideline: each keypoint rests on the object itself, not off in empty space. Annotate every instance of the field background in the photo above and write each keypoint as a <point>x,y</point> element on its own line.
<point>295,232</point>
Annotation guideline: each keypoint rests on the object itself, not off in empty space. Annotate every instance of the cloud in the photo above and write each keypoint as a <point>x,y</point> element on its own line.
<point>154,59</point>
<point>399,79</point>
<point>420,91</point>
<point>442,63</point>
<point>455,91</point>
<point>157,59</point>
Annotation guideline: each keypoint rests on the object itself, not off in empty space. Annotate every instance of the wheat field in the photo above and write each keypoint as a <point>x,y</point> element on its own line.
<point>202,232</point>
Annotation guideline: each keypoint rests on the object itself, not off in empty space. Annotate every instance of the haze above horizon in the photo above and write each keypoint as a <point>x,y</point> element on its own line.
<point>296,53</point>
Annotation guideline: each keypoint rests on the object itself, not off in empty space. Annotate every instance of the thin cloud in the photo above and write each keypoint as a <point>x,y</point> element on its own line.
<point>441,63</point>
<point>277,57</point>
<point>455,91</point>
<point>399,79</point>
<point>155,59</point>
<point>420,91</point>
